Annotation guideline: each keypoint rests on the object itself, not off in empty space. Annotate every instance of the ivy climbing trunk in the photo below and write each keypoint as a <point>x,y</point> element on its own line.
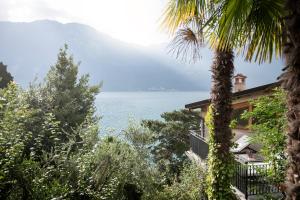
<point>291,83</point>
<point>220,160</point>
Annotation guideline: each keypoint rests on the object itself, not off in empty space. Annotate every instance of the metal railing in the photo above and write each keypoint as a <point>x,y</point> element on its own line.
<point>250,179</point>
<point>198,145</point>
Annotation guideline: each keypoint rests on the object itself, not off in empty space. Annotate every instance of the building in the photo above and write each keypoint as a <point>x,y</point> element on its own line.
<point>245,152</point>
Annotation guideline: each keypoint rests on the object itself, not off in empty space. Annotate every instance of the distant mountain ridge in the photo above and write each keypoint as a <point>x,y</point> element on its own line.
<point>29,49</point>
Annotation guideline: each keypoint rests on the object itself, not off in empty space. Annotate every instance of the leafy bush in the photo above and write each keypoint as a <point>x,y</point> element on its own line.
<point>170,140</point>
<point>50,146</point>
<point>38,165</point>
<point>268,125</point>
<point>190,185</point>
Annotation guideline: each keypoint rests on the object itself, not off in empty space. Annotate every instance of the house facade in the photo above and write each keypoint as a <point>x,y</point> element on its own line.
<point>245,152</point>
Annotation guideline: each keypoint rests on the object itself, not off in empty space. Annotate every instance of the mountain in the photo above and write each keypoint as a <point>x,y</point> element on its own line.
<point>29,49</point>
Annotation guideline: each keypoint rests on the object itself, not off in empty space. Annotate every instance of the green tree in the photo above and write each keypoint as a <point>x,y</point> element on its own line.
<point>189,186</point>
<point>189,180</point>
<point>269,123</point>
<point>124,170</point>
<point>65,95</point>
<point>72,98</point>
<point>291,83</point>
<point>5,77</point>
<point>191,18</point>
<point>40,158</point>
<point>13,138</point>
<point>170,139</point>
<point>37,165</point>
<point>264,28</point>
<point>260,29</point>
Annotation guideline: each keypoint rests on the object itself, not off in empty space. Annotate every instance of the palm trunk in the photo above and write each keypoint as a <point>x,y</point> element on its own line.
<point>220,159</point>
<point>222,74</point>
<point>291,83</point>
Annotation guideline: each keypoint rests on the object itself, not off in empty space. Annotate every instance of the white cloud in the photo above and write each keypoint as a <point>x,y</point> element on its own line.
<point>133,21</point>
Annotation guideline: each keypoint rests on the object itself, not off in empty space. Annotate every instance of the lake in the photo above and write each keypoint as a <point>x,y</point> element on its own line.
<point>116,108</point>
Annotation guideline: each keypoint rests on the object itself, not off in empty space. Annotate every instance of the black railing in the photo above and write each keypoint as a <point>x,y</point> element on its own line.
<point>251,179</point>
<point>198,145</point>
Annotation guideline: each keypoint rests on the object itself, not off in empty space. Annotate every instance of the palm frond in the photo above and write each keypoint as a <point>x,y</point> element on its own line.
<point>188,20</point>
<point>265,30</point>
<point>254,27</point>
<point>186,44</point>
<point>180,12</point>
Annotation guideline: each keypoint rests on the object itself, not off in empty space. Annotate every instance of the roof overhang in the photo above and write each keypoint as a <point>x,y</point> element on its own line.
<point>236,95</point>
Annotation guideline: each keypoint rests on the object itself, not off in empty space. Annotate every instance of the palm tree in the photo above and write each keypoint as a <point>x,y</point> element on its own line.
<point>291,83</point>
<point>194,19</point>
<point>273,27</point>
<point>260,29</point>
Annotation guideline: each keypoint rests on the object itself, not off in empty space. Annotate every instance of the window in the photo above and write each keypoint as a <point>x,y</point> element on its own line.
<point>236,114</point>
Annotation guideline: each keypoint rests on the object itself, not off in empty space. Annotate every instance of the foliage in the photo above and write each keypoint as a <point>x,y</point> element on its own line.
<point>139,136</point>
<point>170,139</point>
<point>13,140</point>
<point>189,186</point>
<point>69,98</point>
<point>268,124</point>
<point>5,77</point>
<point>219,172</point>
<point>43,159</point>
<point>290,82</point>
<point>178,177</point>
<point>132,174</point>
<point>37,165</point>
<point>194,21</point>
<point>50,148</point>
<point>254,28</point>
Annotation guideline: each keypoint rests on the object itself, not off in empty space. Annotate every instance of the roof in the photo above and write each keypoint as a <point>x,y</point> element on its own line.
<point>238,94</point>
<point>240,75</point>
<point>242,143</point>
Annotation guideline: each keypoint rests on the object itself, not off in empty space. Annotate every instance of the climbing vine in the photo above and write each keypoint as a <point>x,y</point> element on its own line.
<point>220,170</point>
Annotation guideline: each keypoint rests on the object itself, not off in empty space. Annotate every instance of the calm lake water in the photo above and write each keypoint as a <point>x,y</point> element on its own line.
<point>117,108</point>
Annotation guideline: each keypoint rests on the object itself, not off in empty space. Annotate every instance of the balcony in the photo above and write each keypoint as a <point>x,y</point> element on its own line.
<point>250,172</point>
<point>198,143</point>
<point>251,180</point>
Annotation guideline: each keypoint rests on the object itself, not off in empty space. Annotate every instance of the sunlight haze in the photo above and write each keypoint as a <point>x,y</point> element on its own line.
<point>132,21</point>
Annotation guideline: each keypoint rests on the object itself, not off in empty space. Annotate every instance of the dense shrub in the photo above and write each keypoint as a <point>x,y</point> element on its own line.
<point>268,125</point>
<point>190,185</point>
<point>50,146</point>
<point>170,140</point>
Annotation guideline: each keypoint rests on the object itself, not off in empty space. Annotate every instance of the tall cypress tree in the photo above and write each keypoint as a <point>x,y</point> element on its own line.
<point>71,99</point>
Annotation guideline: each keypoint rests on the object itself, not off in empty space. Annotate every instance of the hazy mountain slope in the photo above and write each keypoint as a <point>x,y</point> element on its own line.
<point>30,48</point>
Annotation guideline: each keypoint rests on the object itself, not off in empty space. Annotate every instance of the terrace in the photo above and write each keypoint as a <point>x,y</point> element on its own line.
<point>250,178</point>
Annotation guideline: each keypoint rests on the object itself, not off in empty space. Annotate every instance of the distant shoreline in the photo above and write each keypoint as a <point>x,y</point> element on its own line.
<point>155,91</point>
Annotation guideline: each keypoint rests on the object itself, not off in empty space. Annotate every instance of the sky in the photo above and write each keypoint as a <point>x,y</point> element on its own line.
<point>132,21</point>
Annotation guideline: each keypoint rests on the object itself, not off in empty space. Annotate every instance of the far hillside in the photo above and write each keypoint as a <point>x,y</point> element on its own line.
<point>30,48</point>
